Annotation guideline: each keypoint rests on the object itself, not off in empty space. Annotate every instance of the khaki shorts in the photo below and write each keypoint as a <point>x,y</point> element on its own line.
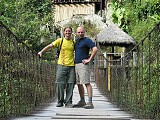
<point>82,73</point>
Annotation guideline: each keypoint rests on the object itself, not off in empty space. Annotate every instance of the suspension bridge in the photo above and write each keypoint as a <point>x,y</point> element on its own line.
<point>103,109</point>
<point>126,88</point>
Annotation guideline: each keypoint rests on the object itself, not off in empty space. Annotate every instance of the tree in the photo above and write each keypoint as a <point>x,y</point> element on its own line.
<point>24,17</point>
<point>136,17</point>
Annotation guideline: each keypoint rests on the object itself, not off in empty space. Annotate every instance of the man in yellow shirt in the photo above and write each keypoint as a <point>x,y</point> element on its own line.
<point>65,75</point>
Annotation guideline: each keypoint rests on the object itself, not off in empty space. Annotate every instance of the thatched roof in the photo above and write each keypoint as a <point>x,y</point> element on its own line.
<point>114,36</point>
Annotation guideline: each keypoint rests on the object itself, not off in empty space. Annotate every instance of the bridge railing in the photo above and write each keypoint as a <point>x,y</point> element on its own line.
<point>25,80</point>
<point>133,81</point>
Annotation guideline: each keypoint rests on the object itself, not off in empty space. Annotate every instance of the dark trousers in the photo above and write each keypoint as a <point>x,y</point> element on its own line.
<point>65,81</point>
<point>65,90</point>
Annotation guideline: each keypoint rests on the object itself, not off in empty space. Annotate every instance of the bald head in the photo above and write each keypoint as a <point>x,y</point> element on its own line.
<point>80,28</point>
<point>80,32</point>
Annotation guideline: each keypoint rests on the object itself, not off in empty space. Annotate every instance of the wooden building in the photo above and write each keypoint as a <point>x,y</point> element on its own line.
<point>66,9</point>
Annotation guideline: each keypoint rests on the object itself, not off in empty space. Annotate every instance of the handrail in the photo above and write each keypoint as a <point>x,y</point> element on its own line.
<point>134,83</point>
<point>26,81</point>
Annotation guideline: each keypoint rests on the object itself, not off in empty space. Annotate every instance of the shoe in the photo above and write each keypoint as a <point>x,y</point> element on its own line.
<point>59,105</point>
<point>89,106</point>
<point>80,104</point>
<point>69,105</point>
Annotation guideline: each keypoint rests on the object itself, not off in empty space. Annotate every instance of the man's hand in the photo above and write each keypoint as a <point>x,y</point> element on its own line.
<point>85,61</point>
<point>40,54</point>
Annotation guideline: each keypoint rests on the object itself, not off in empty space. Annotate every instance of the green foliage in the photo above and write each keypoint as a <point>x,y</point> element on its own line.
<point>20,91</point>
<point>23,82</point>
<point>141,28</point>
<point>24,17</point>
<point>132,16</point>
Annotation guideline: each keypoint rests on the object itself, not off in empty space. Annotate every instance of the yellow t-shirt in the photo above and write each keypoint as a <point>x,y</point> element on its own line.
<point>66,56</point>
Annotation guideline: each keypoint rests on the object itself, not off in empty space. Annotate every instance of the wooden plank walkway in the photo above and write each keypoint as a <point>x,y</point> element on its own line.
<point>102,110</point>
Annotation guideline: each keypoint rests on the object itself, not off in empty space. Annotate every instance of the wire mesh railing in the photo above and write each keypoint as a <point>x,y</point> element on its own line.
<point>25,80</point>
<point>133,81</point>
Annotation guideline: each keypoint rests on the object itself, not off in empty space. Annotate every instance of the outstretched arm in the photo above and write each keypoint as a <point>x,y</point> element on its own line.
<point>45,49</point>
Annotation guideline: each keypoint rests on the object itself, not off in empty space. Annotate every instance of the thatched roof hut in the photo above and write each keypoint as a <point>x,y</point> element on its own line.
<point>114,36</point>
